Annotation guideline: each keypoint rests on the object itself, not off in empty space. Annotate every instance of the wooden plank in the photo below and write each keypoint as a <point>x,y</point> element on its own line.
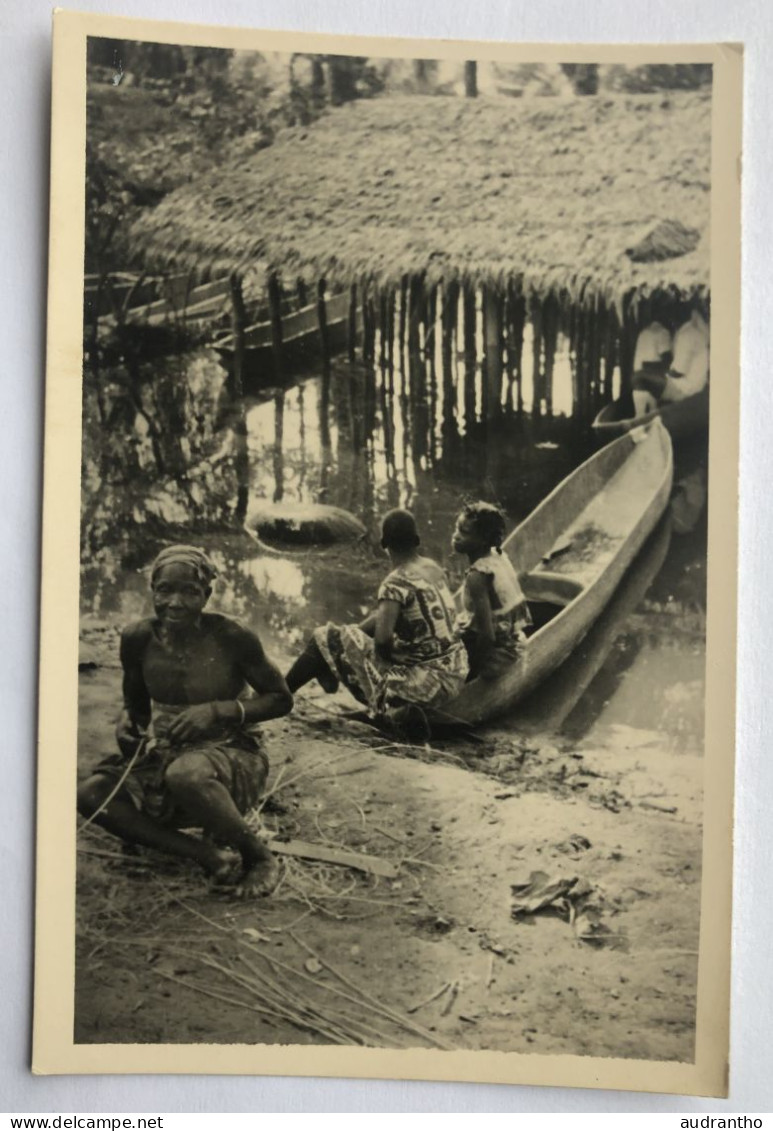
<point>373,865</point>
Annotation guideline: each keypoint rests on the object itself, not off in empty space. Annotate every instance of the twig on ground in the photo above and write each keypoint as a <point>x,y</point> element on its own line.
<point>393,1014</point>
<point>427,1000</point>
<point>453,991</point>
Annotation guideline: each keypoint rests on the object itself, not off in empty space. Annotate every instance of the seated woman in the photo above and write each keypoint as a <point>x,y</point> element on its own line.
<point>404,656</point>
<point>496,612</point>
<point>190,752</point>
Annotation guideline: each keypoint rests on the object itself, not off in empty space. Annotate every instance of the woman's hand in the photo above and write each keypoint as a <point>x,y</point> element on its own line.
<point>192,723</point>
<point>127,734</point>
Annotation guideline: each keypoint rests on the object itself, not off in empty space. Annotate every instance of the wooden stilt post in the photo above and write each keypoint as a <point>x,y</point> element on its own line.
<point>351,336</point>
<point>371,304</point>
<point>611,328</point>
<point>403,320</point>
<point>536,352</point>
<point>596,330</point>
<point>573,332</point>
<point>279,419</point>
<point>492,344</point>
<point>430,321</point>
<point>275,312</point>
<point>391,303</point>
<point>516,318</point>
<point>368,329</point>
<point>470,350</point>
<point>450,308</point>
<point>383,328</point>
<point>303,293</point>
<point>627,350</point>
<point>582,362</point>
<point>324,339</point>
<point>550,319</point>
<point>236,394</point>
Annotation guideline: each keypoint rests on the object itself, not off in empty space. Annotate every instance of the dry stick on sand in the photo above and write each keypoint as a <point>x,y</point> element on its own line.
<point>453,990</point>
<point>260,1009</point>
<point>338,1017</point>
<point>371,1006</point>
<point>393,1014</point>
<point>308,1018</point>
<point>363,1000</point>
<point>428,1000</point>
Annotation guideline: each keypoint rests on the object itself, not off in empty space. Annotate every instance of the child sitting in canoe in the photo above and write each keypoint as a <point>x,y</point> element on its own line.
<point>405,655</point>
<point>495,615</point>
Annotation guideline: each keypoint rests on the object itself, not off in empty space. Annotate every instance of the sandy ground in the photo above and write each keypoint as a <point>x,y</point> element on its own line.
<point>161,958</point>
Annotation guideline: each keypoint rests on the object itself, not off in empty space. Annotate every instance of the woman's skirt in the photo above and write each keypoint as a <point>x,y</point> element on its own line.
<point>350,655</point>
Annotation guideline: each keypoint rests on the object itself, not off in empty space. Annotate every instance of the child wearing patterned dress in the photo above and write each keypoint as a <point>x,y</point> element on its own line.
<point>496,614</point>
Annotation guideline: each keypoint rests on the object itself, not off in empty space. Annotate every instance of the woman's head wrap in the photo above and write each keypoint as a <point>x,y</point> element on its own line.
<point>190,556</point>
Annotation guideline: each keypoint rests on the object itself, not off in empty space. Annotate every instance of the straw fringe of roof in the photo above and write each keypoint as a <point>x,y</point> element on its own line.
<point>550,192</point>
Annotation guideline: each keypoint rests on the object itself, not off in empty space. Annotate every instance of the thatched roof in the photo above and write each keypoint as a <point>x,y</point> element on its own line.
<point>555,191</point>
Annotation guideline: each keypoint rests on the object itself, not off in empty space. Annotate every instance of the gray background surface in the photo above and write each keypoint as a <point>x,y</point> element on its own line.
<point>24,132</point>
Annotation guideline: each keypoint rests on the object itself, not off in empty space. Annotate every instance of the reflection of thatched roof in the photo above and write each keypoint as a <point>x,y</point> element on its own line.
<point>552,190</point>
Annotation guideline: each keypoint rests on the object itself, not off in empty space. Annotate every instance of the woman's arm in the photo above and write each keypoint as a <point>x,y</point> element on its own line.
<point>386,622</point>
<point>135,715</point>
<point>482,622</point>
<point>478,590</point>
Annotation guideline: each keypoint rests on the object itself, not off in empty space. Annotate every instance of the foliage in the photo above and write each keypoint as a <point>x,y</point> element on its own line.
<point>653,77</point>
<point>584,77</point>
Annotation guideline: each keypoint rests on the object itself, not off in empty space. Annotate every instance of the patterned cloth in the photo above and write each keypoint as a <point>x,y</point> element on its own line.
<point>236,757</point>
<point>429,664</point>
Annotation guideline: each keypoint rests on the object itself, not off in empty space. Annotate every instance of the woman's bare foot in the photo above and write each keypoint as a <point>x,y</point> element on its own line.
<point>219,865</point>
<point>260,877</point>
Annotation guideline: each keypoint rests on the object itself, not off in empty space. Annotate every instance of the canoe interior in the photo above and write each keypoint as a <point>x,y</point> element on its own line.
<point>572,551</point>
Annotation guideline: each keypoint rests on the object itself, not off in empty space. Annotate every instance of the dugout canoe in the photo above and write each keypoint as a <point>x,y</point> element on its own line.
<point>165,302</point>
<point>301,341</point>
<point>681,419</point>
<point>571,554</point>
<point>546,709</point>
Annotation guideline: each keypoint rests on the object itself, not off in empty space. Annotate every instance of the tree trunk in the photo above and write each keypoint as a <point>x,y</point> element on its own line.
<point>471,79</point>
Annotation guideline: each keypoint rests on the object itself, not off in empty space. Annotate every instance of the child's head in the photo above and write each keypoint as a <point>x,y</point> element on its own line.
<point>398,532</point>
<point>480,527</point>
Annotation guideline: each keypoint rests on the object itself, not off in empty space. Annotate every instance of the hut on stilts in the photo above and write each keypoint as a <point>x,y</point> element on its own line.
<point>446,227</point>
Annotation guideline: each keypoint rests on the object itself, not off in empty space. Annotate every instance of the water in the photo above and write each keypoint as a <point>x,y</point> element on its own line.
<point>369,440</point>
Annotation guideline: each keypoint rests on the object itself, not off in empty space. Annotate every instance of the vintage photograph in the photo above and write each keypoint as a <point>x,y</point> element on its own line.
<point>394,507</point>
